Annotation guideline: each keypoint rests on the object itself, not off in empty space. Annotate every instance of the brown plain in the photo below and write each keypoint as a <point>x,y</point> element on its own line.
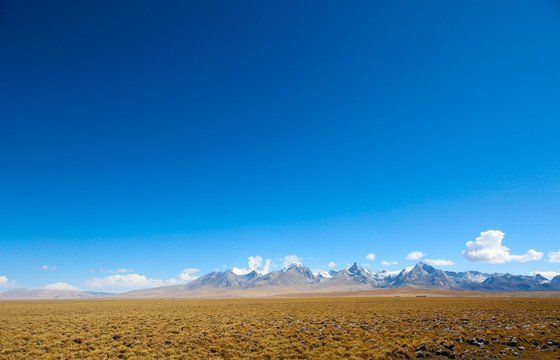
<point>291,328</point>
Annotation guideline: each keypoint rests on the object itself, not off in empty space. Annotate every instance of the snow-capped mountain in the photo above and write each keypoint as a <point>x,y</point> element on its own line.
<point>419,276</point>
<point>300,279</point>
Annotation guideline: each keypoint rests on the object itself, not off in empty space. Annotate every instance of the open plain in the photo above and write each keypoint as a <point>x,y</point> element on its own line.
<point>290,328</point>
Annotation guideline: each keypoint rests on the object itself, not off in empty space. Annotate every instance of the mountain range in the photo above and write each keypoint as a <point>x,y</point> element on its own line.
<point>419,276</point>
<point>298,279</point>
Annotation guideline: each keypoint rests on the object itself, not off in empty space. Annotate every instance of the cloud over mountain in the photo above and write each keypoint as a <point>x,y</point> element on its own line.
<point>255,264</point>
<point>187,274</point>
<point>61,286</point>
<point>415,255</point>
<point>488,248</point>
<point>290,260</point>
<point>129,281</point>
<point>439,262</point>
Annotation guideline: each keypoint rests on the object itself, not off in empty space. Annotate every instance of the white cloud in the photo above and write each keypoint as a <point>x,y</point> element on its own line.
<point>371,256</point>
<point>46,267</point>
<point>415,255</point>
<point>547,274</point>
<point>186,275</point>
<point>554,256</point>
<point>116,271</point>
<point>255,264</point>
<point>439,262</point>
<point>532,255</point>
<point>384,262</point>
<point>290,259</point>
<point>3,281</point>
<point>488,248</point>
<point>331,264</point>
<point>129,281</point>
<point>61,286</point>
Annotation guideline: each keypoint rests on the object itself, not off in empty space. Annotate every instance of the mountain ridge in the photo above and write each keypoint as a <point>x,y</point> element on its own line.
<point>298,278</point>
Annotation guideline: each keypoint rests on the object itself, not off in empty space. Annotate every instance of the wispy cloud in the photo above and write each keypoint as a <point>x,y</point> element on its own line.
<point>290,260</point>
<point>439,262</point>
<point>138,281</point>
<point>129,281</point>
<point>331,264</point>
<point>187,274</point>
<point>46,267</point>
<point>554,256</point>
<point>3,281</point>
<point>488,248</point>
<point>371,256</point>
<point>415,255</point>
<point>61,286</point>
<point>116,271</point>
<point>384,262</point>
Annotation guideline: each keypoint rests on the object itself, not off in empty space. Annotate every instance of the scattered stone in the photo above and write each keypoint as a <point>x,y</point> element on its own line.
<point>442,352</point>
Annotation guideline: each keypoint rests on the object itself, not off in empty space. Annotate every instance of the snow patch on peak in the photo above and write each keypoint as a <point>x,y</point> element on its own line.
<point>292,266</point>
<point>407,269</point>
<point>322,273</point>
<point>238,271</point>
<point>475,278</point>
<point>386,273</point>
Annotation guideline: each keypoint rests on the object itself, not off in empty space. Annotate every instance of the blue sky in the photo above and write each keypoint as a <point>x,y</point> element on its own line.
<point>140,139</point>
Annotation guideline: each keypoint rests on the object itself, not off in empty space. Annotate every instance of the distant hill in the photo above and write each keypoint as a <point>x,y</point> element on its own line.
<point>298,279</point>
<point>45,294</point>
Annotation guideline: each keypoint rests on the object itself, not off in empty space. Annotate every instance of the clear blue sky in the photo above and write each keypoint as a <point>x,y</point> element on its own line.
<point>160,136</point>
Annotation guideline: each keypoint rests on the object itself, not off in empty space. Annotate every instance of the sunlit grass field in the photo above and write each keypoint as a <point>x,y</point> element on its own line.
<point>306,328</point>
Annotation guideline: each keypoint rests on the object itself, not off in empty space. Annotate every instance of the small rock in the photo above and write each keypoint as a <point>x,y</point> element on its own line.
<point>420,354</point>
<point>442,352</point>
<point>521,348</point>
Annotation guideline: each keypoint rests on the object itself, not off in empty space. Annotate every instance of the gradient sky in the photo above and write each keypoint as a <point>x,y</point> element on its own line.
<point>139,139</point>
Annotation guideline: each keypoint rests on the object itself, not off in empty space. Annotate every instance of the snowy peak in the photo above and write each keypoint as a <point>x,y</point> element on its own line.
<point>418,276</point>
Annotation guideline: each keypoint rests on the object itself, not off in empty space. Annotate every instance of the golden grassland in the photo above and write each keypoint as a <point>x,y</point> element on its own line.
<point>305,328</point>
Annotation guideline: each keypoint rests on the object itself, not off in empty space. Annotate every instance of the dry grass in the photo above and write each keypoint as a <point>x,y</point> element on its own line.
<point>325,328</point>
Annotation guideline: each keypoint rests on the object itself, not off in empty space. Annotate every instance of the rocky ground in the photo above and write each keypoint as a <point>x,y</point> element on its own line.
<point>310,328</point>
